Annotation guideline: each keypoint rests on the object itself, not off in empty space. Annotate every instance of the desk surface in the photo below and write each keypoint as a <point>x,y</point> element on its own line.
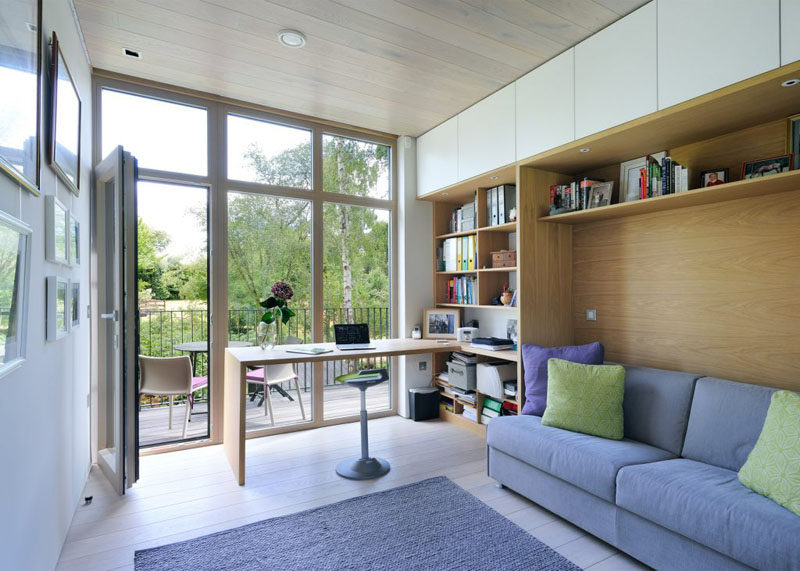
<point>202,346</point>
<point>383,348</point>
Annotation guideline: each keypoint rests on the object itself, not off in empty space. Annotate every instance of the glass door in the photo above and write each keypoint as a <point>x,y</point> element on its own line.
<point>115,322</point>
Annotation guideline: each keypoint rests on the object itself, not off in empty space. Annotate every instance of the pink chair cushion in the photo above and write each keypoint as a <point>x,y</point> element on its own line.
<point>256,375</point>
<point>199,383</point>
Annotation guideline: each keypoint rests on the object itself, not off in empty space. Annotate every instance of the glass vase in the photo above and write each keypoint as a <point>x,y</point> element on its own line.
<point>266,335</point>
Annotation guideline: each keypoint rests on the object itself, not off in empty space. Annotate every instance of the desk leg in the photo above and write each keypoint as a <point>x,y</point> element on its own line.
<point>233,426</point>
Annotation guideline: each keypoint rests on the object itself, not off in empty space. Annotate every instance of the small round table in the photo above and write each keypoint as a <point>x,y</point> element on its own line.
<point>195,347</point>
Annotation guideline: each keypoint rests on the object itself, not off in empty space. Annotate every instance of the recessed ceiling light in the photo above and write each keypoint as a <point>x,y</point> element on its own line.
<point>584,150</point>
<point>292,38</point>
<point>493,177</point>
<point>790,82</point>
<point>444,194</point>
<point>132,53</point>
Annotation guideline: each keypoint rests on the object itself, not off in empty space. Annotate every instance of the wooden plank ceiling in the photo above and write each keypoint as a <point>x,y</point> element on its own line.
<point>396,66</point>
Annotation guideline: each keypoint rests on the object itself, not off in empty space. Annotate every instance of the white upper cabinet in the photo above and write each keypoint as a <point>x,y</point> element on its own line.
<point>546,106</point>
<point>486,139</point>
<point>437,157</point>
<point>615,73</point>
<point>790,38</point>
<point>703,46</point>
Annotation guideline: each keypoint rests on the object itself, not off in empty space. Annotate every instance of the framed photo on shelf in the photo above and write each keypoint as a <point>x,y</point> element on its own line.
<point>57,307</point>
<point>64,143</point>
<point>600,194</point>
<point>20,70</point>
<point>56,237</point>
<point>74,304</point>
<point>793,140</point>
<point>713,177</point>
<point>629,176</point>
<point>441,323</point>
<point>15,269</point>
<point>766,167</point>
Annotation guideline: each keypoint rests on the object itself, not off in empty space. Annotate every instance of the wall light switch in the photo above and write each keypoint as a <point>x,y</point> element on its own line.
<point>423,365</point>
<point>591,315</point>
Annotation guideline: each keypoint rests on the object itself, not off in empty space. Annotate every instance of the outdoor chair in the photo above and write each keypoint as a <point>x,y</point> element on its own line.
<point>271,376</point>
<point>170,376</point>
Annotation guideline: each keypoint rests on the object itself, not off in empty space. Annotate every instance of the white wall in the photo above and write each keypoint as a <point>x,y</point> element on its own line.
<point>44,414</point>
<point>415,279</point>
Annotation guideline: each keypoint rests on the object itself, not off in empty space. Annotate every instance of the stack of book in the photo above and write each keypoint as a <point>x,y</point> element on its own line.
<point>509,409</point>
<point>471,413</point>
<point>660,178</point>
<point>572,196</point>
<point>459,254</point>
<point>492,343</point>
<point>466,358</point>
<point>461,289</point>
<point>464,395</point>
<point>510,388</point>
<point>491,409</point>
<point>501,204</point>
<point>465,218</point>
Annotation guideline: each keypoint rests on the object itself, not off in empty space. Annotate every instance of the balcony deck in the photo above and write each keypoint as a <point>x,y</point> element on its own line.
<point>338,401</point>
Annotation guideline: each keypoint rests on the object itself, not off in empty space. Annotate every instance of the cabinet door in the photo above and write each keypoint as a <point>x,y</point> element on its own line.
<point>546,106</point>
<point>437,157</point>
<point>615,73</point>
<point>703,46</point>
<point>486,138</point>
<point>790,38</point>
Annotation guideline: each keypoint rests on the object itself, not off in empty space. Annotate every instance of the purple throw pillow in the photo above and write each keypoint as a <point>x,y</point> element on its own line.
<point>535,357</point>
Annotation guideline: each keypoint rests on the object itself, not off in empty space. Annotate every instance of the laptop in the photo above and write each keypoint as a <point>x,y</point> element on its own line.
<point>353,337</point>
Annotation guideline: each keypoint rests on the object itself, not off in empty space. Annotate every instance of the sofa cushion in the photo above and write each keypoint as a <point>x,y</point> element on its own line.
<point>725,421</point>
<point>588,462</point>
<point>585,398</point>
<point>534,359</point>
<point>709,505</point>
<point>656,406</point>
<point>773,467</point>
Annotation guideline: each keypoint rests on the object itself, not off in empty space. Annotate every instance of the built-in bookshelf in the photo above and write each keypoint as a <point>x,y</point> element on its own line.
<point>621,259</point>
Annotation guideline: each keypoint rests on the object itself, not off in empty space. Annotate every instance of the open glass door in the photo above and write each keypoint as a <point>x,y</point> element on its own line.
<point>115,322</point>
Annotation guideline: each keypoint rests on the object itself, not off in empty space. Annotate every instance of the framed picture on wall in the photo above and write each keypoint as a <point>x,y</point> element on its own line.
<point>74,304</point>
<point>20,72</point>
<point>57,307</point>
<point>64,143</point>
<point>56,245</point>
<point>441,323</point>
<point>74,246</point>
<point>793,140</point>
<point>15,253</point>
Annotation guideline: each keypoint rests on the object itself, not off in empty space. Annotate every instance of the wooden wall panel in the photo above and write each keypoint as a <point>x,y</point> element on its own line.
<point>713,289</point>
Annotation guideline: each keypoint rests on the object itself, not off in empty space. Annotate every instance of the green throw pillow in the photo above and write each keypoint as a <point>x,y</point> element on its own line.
<point>585,398</point>
<point>773,466</point>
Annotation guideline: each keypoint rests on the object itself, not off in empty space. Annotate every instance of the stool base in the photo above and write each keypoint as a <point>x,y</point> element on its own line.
<point>362,468</point>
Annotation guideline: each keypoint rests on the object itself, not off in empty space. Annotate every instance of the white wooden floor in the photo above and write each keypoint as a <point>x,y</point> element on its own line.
<point>191,493</point>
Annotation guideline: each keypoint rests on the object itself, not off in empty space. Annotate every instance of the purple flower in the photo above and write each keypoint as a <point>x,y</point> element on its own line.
<point>282,290</point>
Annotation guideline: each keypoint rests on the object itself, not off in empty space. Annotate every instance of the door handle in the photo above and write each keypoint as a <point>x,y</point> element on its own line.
<point>114,315</point>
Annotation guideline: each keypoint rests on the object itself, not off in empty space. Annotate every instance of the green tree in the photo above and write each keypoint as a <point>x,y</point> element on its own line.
<point>151,244</point>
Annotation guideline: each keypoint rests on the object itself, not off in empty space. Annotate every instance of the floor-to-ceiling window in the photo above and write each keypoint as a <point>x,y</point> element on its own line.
<point>284,198</point>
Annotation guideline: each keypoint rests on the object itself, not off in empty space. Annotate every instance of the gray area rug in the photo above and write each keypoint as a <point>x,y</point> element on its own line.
<point>433,524</point>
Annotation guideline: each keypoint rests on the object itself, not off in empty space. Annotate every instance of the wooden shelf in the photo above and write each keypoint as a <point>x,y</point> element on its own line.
<point>492,270</point>
<point>456,234</point>
<point>475,306</point>
<point>458,272</point>
<point>505,355</point>
<point>459,419</point>
<point>507,227</point>
<point>782,182</point>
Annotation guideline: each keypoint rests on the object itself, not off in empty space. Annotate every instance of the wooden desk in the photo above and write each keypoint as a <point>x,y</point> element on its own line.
<point>237,359</point>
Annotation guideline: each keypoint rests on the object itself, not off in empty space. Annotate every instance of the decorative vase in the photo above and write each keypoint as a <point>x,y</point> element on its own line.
<point>506,297</point>
<point>267,334</point>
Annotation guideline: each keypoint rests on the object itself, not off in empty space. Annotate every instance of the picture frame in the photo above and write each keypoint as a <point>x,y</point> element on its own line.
<point>56,231</point>
<point>64,141</point>
<point>15,269</point>
<point>714,177</point>
<point>441,323</point>
<point>600,194</point>
<point>793,139</point>
<point>57,307</point>
<point>767,166</point>
<point>629,176</point>
<point>74,304</point>
<point>74,246</point>
<point>20,74</point>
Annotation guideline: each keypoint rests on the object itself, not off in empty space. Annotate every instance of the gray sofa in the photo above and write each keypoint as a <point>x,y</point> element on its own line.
<point>668,493</point>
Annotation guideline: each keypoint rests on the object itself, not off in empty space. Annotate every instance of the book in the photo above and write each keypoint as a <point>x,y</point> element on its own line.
<point>467,358</point>
<point>510,388</point>
<point>490,342</point>
<point>492,404</point>
<point>470,413</point>
<point>489,412</point>
<point>309,350</point>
